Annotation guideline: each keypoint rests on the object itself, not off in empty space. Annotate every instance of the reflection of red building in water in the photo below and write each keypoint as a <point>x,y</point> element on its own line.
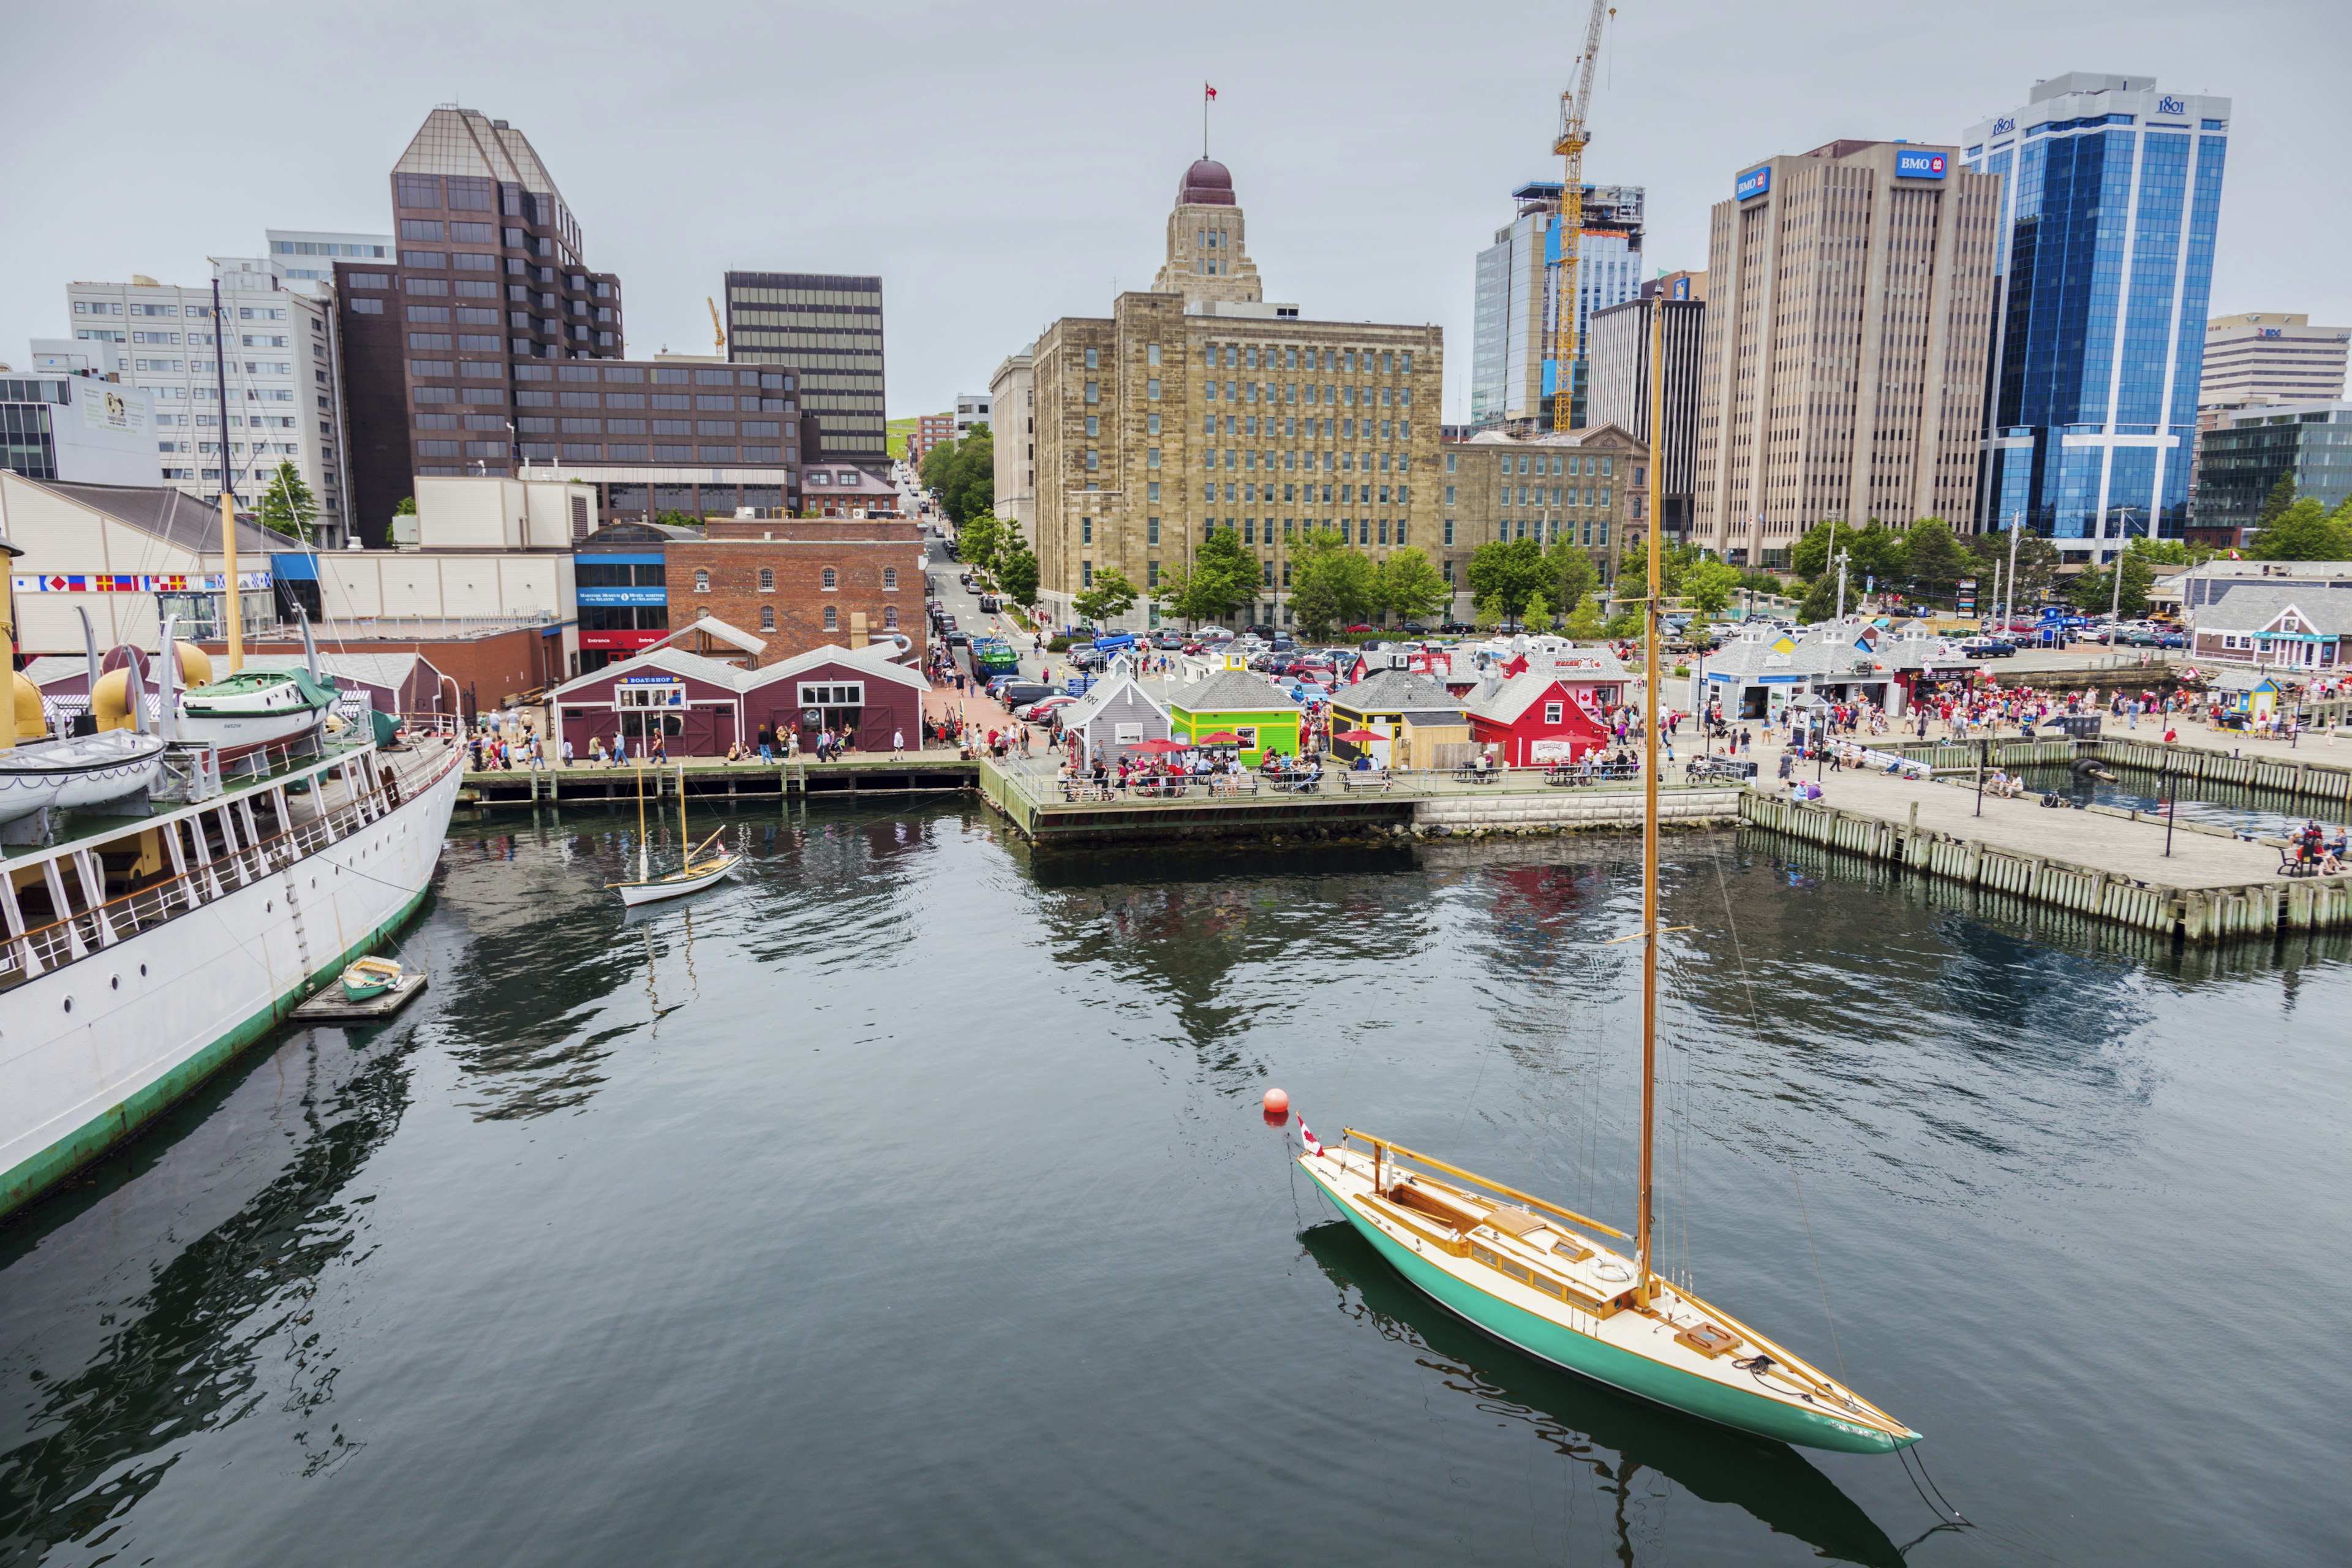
<point>1533,720</point>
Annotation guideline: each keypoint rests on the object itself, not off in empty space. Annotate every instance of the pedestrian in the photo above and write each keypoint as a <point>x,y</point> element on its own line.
<point>567,751</point>
<point>897,743</point>
<point>767,742</point>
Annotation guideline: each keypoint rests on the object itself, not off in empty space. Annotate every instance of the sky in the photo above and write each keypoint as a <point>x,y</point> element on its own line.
<point>1004,165</point>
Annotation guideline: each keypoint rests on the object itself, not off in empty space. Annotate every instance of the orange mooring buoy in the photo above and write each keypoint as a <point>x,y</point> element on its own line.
<point>1278,1103</point>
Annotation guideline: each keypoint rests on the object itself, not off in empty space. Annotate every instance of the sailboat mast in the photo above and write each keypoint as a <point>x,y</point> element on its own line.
<point>1643,1227</point>
<point>644,872</point>
<point>685,845</point>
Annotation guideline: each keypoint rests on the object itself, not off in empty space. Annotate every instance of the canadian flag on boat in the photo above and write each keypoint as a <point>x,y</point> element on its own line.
<point>1308,1138</point>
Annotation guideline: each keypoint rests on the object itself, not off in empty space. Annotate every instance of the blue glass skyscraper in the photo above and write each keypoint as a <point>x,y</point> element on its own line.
<point>2110,195</point>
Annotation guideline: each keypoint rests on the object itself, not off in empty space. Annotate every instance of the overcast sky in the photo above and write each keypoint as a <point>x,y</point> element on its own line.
<point>1002,166</point>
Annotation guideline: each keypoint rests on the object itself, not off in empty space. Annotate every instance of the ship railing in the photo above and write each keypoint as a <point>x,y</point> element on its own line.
<point>82,932</point>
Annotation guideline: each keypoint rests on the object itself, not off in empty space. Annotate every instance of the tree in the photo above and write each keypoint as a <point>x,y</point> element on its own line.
<point>2095,589</point>
<point>979,540</point>
<point>1573,575</point>
<point>676,519</point>
<point>1881,554</point>
<point>2274,505</point>
<point>1410,586</point>
<point>1708,586</point>
<point>2303,532</point>
<point>1584,622</point>
<point>1111,596</point>
<point>963,474</point>
<point>1623,624</point>
<point>1505,578</point>
<point>1016,573</point>
<point>1816,553</point>
<point>1331,585</point>
<point>407,507</point>
<point>286,504</point>
<point>1820,601</point>
<point>1221,578</point>
<point>1933,559</point>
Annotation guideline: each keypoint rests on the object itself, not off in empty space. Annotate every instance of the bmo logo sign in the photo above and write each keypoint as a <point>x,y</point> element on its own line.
<point>1919,165</point>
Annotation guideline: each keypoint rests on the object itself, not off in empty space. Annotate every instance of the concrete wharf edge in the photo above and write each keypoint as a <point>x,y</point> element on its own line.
<point>2311,781</point>
<point>2266,907</point>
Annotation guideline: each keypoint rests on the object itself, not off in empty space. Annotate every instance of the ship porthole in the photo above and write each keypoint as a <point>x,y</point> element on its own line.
<point>142,972</point>
<point>69,1004</point>
<point>115,984</point>
<point>270,908</point>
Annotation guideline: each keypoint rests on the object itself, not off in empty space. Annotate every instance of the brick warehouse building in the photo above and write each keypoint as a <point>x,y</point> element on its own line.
<point>799,584</point>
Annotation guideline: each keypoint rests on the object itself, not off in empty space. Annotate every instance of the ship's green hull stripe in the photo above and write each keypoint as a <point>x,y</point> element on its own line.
<point>1539,1336</point>
<point>44,1169</point>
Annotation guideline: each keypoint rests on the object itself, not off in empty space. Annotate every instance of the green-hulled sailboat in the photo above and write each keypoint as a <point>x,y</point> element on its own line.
<point>1537,1275</point>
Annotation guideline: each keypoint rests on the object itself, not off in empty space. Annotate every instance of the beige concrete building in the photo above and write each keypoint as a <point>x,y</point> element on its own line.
<point>2269,354</point>
<point>1200,405</point>
<point>1585,487</point>
<point>1849,315</point>
<point>1014,392</point>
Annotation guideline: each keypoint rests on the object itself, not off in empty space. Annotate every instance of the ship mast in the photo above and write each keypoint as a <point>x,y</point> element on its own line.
<point>1643,1228</point>
<point>228,491</point>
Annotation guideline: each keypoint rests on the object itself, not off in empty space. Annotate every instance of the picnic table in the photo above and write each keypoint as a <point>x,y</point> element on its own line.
<point>1232,783</point>
<point>1374,781</point>
<point>1477,775</point>
<point>1159,786</point>
<point>1294,783</point>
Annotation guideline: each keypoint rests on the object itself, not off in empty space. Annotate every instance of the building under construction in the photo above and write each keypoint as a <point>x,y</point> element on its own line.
<point>1513,368</point>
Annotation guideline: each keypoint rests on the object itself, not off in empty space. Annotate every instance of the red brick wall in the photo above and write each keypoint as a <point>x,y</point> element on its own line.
<point>859,553</point>
<point>487,669</point>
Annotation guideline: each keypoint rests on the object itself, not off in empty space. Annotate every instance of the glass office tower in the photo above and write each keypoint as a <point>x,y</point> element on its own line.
<point>2111,192</point>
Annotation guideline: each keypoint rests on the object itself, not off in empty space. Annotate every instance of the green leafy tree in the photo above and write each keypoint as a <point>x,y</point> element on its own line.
<point>1584,623</point>
<point>1676,563</point>
<point>286,504</point>
<point>407,507</point>
<point>1016,573</point>
<point>1624,623</point>
<point>1410,586</point>
<point>676,519</point>
<point>1880,554</point>
<point>1221,578</point>
<point>1815,553</point>
<point>1111,596</point>
<point>1331,585</point>
<point>963,474</point>
<point>2275,504</point>
<point>2094,590</point>
<point>1933,559</point>
<point>979,538</point>
<point>1573,576</point>
<point>2303,532</point>
<point>1506,578</point>
<point>1708,587</point>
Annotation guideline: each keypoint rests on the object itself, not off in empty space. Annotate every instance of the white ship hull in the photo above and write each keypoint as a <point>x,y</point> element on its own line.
<point>96,1046</point>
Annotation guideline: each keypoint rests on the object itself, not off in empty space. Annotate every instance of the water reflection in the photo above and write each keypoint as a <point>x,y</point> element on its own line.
<point>2240,808</point>
<point>224,1327</point>
<point>1619,1440</point>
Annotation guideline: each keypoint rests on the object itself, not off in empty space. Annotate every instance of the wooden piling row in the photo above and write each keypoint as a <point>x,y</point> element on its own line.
<point>2195,915</point>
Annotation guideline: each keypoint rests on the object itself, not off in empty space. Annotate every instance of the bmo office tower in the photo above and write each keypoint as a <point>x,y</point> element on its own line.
<point>2110,195</point>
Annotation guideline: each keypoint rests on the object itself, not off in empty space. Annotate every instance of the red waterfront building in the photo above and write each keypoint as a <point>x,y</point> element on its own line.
<point>700,706</point>
<point>1533,720</point>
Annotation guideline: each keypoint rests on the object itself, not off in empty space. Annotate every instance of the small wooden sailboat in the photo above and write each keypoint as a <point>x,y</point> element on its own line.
<point>695,874</point>
<point>1533,1274</point>
<point>368,978</point>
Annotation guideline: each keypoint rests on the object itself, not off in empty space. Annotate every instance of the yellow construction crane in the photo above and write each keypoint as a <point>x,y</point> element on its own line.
<point>1575,107</point>
<point>715,329</point>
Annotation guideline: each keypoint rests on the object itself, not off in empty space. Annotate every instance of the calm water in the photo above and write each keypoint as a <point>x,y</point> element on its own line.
<point>910,1201</point>
<point>2265,813</point>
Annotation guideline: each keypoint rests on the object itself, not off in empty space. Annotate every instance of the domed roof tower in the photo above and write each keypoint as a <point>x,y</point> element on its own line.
<point>1206,256</point>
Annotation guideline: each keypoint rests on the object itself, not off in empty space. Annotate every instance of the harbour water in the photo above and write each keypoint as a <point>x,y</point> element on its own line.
<point>909,1201</point>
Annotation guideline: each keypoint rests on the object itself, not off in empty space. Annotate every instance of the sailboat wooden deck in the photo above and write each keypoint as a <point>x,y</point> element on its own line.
<point>1531,1273</point>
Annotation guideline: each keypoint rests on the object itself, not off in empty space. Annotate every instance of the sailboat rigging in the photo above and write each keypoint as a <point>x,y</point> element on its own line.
<point>694,874</point>
<point>1535,1274</point>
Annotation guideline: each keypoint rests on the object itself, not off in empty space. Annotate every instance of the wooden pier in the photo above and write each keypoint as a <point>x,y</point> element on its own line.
<point>705,778</point>
<point>2098,863</point>
<point>2313,784</point>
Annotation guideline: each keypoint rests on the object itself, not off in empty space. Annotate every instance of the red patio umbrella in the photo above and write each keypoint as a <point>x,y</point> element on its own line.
<point>1359,737</point>
<point>1221,738</point>
<point>1160,747</point>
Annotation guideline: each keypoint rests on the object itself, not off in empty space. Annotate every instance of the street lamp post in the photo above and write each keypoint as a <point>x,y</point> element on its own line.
<point>2171,807</point>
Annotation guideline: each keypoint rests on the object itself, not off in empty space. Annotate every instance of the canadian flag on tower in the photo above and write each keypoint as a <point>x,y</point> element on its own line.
<point>1207,91</point>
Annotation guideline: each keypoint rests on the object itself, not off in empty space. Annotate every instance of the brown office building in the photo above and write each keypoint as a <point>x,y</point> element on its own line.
<point>825,332</point>
<point>1849,318</point>
<point>491,346</point>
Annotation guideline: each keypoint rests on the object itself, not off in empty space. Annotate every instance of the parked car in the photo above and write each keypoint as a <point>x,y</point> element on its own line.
<point>957,639</point>
<point>1018,694</point>
<point>1166,639</point>
<point>1037,713</point>
<point>1988,648</point>
<point>1415,629</point>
